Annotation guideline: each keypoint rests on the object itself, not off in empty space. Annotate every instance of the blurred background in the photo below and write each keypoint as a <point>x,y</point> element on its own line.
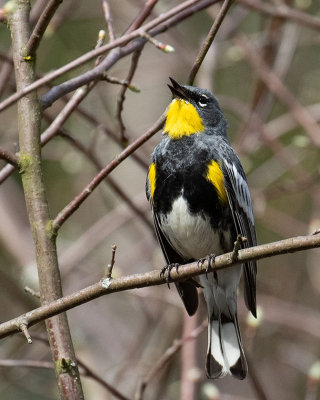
<point>123,336</point>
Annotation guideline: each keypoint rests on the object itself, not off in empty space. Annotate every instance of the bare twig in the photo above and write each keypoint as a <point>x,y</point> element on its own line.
<point>111,264</point>
<point>166,357</point>
<point>142,16</point>
<point>40,28</point>
<point>153,278</point>
<point>23,327</point>
<point>111,182</point>
<point>122,95</point>
<point>283,11</point>
<point>92,374</point>
<point>85,370</point>
<point>33,293</point>
<point>9,157</point>
<point>182,11</point>
<point>209,39</point>
<point>275,85</point>
<point>27,364</point>
<point>166,48</point>
<point>79,199</point>
<point>108,19</point>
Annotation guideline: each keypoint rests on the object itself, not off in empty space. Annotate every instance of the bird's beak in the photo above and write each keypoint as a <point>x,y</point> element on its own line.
<point>177,90</point>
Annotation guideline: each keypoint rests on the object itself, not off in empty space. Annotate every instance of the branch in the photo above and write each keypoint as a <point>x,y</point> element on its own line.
<point>186,6</point>
<point>29,117</point>
<point>283,11</point>
<point>9,157</point>
<point>276,86</point>
<point>209,39</point>
<point>108,19</point>
<point>142,16</point>
<point>33,43</point>
<point>166,357</point>
<point>154,278</point>
<point>112,183</point>
<point>122,95</point>
<point>80,198</point>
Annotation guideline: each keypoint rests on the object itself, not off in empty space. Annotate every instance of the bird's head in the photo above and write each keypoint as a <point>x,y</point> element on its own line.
<point>192,110</point>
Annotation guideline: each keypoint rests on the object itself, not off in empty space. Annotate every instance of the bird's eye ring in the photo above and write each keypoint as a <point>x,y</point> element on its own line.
<point>203,101</point>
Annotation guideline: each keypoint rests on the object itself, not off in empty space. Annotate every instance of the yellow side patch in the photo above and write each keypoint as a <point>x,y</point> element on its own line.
<point>182,120</point>
<point>152,178</point>
<point>215,176</point>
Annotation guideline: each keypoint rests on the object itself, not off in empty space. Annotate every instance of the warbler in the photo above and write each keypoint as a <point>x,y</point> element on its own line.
<point>201,204</point>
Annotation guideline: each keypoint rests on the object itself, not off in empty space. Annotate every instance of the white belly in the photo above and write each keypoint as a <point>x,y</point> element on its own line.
<point>190,235</point>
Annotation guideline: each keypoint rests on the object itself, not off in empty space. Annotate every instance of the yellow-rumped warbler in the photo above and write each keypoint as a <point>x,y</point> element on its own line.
<point>200,203</point>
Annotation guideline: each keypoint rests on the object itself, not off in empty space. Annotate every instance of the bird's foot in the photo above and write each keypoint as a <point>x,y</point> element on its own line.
<point>167,269</point>
<point>210,261</point>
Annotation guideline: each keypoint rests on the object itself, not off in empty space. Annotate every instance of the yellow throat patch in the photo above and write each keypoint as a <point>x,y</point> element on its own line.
<point>182,119</point>
<point>215,176</point>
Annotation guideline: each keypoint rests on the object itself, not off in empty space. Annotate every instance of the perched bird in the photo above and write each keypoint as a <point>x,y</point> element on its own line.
<point>200,204</point>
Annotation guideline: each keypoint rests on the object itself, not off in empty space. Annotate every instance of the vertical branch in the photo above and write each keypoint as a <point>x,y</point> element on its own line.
<point>188,360</point>
<point>29,116</point>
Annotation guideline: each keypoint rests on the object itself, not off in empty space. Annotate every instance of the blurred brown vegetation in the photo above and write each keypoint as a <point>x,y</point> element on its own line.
<point>121,337</point>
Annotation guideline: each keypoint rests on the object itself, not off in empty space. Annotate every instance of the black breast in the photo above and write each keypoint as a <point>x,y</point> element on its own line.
<point>181,167</point>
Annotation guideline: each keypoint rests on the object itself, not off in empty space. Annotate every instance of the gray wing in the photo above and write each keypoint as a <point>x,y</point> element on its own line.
<point>242,212</point>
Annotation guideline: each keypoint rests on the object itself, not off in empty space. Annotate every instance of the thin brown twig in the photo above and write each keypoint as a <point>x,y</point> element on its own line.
<point>73,102</point>
<point>23,327</point>
<point>256,382</point>
<point>9,157</point>
<point>108,19</point>
<point>27,364</point>
<point>87,372</point>
<point>166,357</point>
<point>79,199</point>
<point>40,28</point>
<point>153,278</point>
<point>275,85</point>
<point>112,183</point>
<point>92,374</point>
<point>189,7</point>
<point>142,16</point>
<point>122,95</point>
<point>209,39</point>
<point>283,11</point>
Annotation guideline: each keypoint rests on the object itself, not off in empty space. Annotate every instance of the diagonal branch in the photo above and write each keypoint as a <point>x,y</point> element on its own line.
<point>40,28</point>
<point>283,11</point>
<point>180,12</point>
<point>277,87</point>
<point>80,198</point>
<point>154,278</point>
<point>9,157</point>
<point>209,39</point>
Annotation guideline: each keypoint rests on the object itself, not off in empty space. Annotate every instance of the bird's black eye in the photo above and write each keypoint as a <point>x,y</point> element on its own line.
<point>203,101</point>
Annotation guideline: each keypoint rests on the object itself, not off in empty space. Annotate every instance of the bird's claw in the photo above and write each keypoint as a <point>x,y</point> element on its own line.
<point>168,269</point>
<point>210,260</point>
